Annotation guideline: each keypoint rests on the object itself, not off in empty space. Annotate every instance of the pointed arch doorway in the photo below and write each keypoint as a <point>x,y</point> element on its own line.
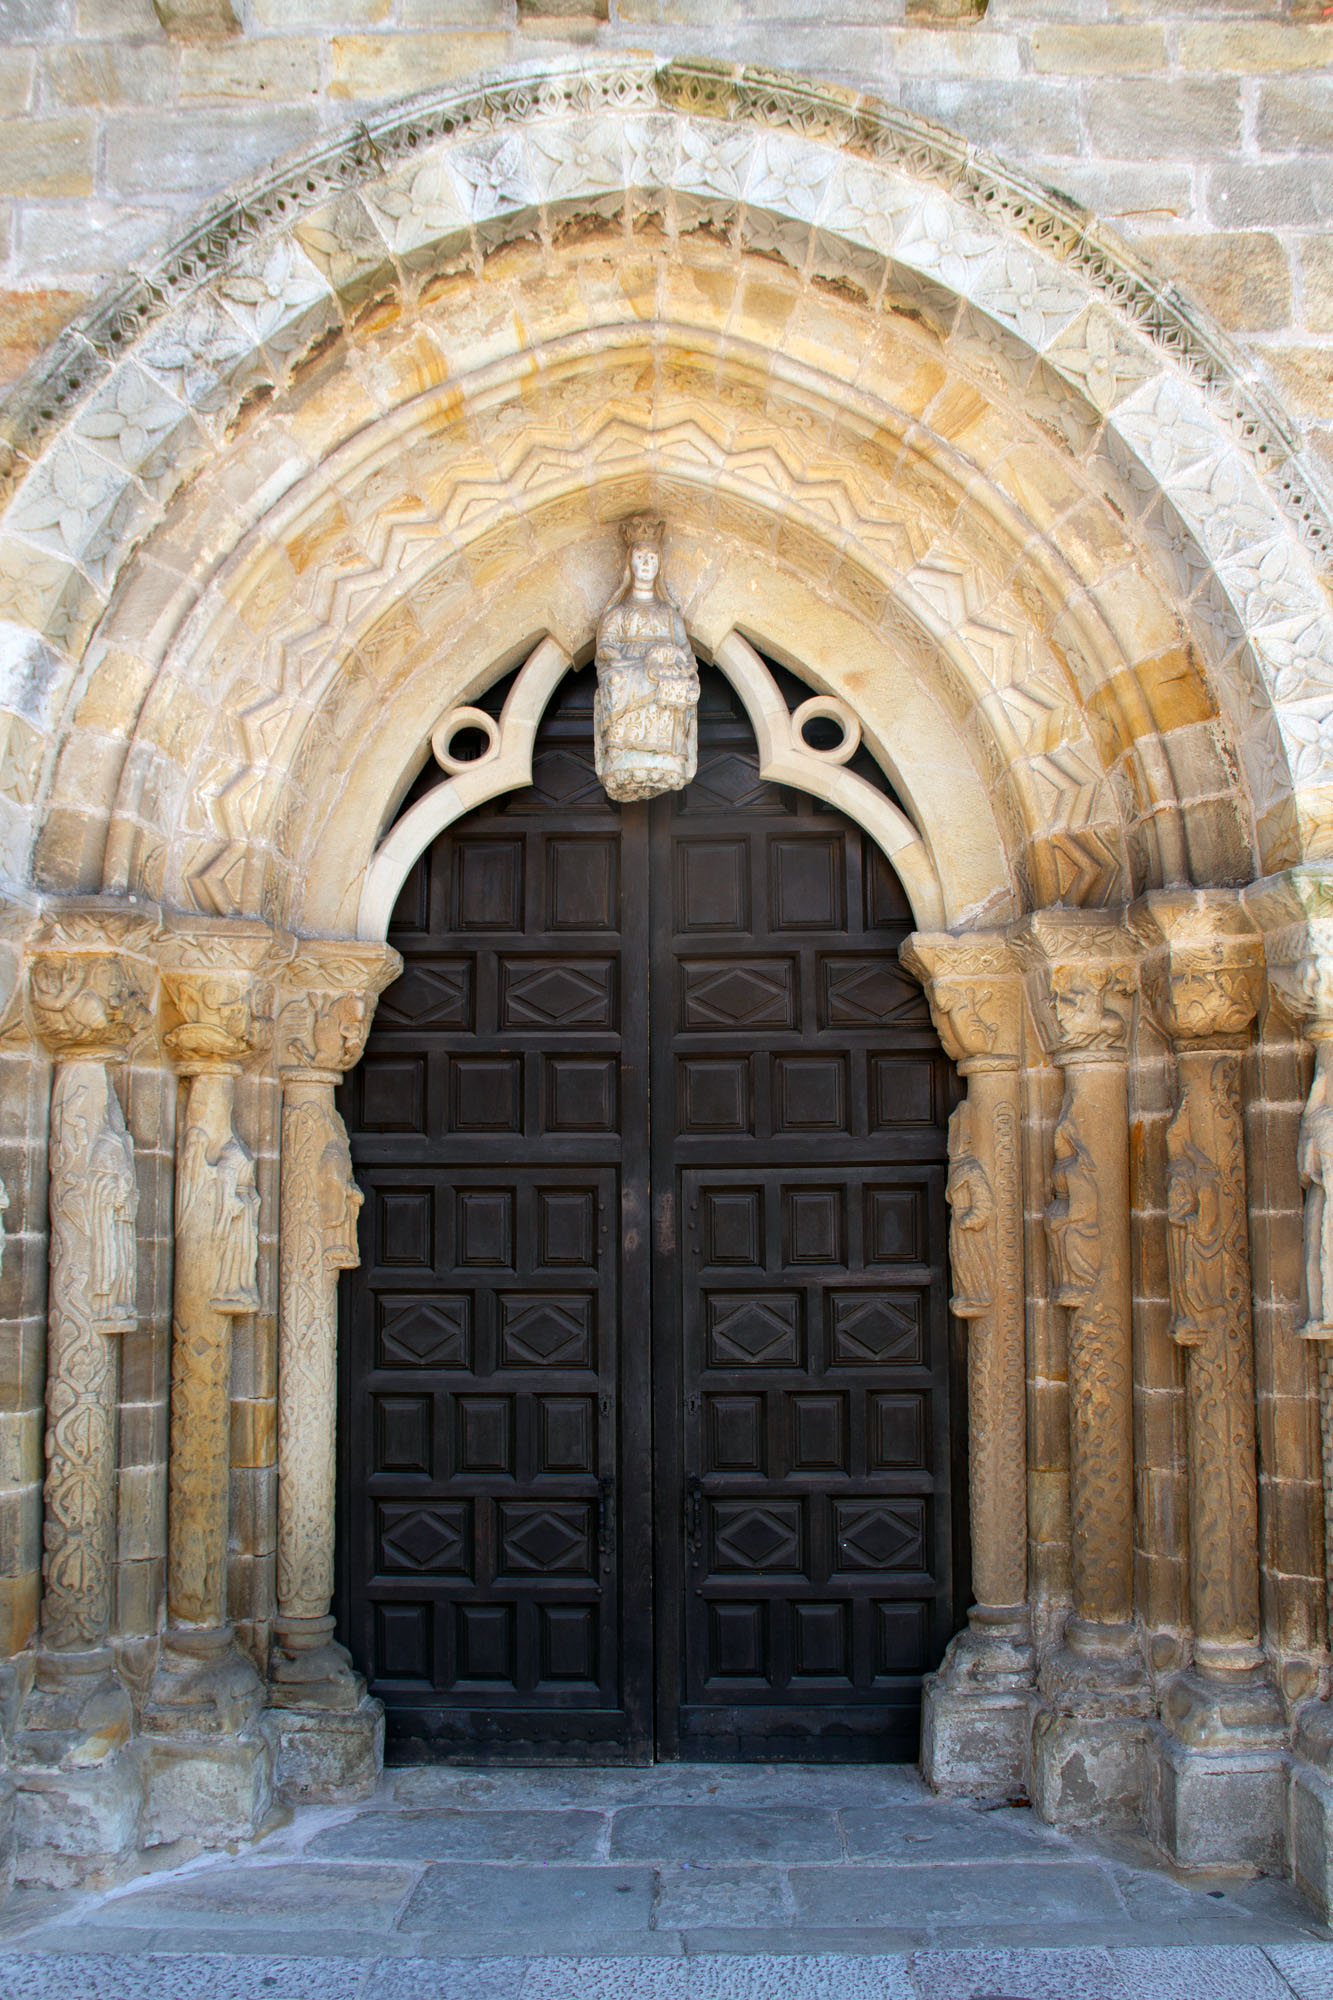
<point>648,1432</point>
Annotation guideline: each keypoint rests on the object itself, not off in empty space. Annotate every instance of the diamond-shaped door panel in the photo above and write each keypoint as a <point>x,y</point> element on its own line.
<point>747,1330</point>
<point>756,993</point>
<point>560,777</point>
<point>757,1539</point>
<point>546,1540</point>
<point>578,993</point>
<point>876,1329</point>
<point>885,1534</point>
<point>545,1331</point>
<point>431,1332</point>
<point>730,782</point>
<point>869,993</point>
<point>435,993</point>
<point>427,1541</point>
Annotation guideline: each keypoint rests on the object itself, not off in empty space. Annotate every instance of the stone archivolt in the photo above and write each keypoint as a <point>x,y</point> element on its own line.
<point>940,447</point>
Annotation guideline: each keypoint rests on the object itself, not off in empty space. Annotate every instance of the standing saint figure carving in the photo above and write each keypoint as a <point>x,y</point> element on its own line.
<point>971,1212</point>
<point>1315,1156</point>
<point>1073,1228</point>
<point>645,720</point>
<point>1195,1248</point>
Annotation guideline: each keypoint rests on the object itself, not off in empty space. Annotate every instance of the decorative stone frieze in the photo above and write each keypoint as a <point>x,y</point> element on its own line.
<point>326,1734</point>
<point>1203,975</point>
<point>975,1723</point>
<point>90,991</point>
<point>1087,1759</point>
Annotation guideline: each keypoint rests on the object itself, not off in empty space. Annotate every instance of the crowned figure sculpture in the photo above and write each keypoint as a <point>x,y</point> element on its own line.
<point>646,717</point>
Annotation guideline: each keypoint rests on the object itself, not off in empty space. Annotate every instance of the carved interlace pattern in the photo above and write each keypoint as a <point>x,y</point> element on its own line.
<point>319,1203</point>
<point>1223,1489</point>
<point>1101,1497</point>
<point>93,1203</point>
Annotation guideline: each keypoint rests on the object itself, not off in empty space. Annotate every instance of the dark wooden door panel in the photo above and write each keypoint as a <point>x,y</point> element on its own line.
<point>800,1099</point>
<point>496,1572</point>
<point>759,1248</point>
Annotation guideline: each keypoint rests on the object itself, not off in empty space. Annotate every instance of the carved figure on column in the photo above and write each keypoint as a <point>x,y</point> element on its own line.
<point>87,1005</point>
<point>1073,1232</point>
<point>971,1213</point>
<point>1315,1158</point>
<point>1194,1233</point>
<point>645,717</point>
<point>324,1728</point>
<point>218,1202</point>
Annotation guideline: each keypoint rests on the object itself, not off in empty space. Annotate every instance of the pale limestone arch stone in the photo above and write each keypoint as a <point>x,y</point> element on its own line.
<point>1029,294</point>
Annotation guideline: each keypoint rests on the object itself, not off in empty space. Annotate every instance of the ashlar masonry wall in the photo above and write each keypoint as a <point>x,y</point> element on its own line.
<point>1203,130</point>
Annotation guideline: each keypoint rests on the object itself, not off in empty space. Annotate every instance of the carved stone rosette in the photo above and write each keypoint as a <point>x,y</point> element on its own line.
<point>89,991</point>
<point>974,987</point>
<point>1083,992</point>
<point>322,1027</point>
<point>1205,982</point>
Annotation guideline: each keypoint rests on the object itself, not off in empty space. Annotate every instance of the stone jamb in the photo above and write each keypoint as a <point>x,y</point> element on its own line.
<point>976,1716</point>
<point>327,1736</point>
<point>1088,1734</point>
<point>208,1765</point>
<point>1217,1777</point>
<point>91,992</point>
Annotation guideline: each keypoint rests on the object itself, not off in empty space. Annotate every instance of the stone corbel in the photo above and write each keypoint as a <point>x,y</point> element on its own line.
<point>975,989</point>
<point>329,996</point>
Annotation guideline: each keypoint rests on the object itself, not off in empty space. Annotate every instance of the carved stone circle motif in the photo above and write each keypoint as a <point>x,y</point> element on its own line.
<point>853,189</point>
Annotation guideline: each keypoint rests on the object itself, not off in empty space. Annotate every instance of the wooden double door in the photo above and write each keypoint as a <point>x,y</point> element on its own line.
<point>645,1431</point>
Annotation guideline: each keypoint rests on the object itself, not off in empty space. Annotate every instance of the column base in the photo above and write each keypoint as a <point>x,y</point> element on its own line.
<point>79,1784</point>
<point>324,1756</point>
<point>203,1686</point>
<point>308,1669</point>
<point>1218,1771</point>
<point>1311,1806</point>
<point>1090,1727</point>
<point>205,1790</point>
<point>208,1769</point>
<point>976,1711</point>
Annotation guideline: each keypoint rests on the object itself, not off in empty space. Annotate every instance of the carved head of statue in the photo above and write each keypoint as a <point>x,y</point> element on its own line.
<point>642,536</point>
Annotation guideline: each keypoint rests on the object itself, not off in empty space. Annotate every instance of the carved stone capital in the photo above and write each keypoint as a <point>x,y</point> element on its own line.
<point>89,983</point>
<point>216,978</point>
<point>974,986</point>
<point>322,1027</point>
<point>1295,914</point>
<point>1204,964</point>
<point>1082,977</point>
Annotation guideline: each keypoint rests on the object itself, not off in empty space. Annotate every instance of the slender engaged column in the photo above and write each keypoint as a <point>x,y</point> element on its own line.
<point>88,991</point>
<point>321,1034</point>
<point>1205,981</point>
<point>203,1682</point>
<point>1088,1748</point>
<point>976,1718</point>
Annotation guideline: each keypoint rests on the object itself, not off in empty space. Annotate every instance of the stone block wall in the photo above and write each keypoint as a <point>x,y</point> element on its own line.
<point>1202,129</point>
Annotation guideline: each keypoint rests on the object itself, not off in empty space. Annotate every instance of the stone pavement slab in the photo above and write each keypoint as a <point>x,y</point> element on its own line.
<point>725,1833</point>
<point>679,1883</point>
<point>473,1836</point>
